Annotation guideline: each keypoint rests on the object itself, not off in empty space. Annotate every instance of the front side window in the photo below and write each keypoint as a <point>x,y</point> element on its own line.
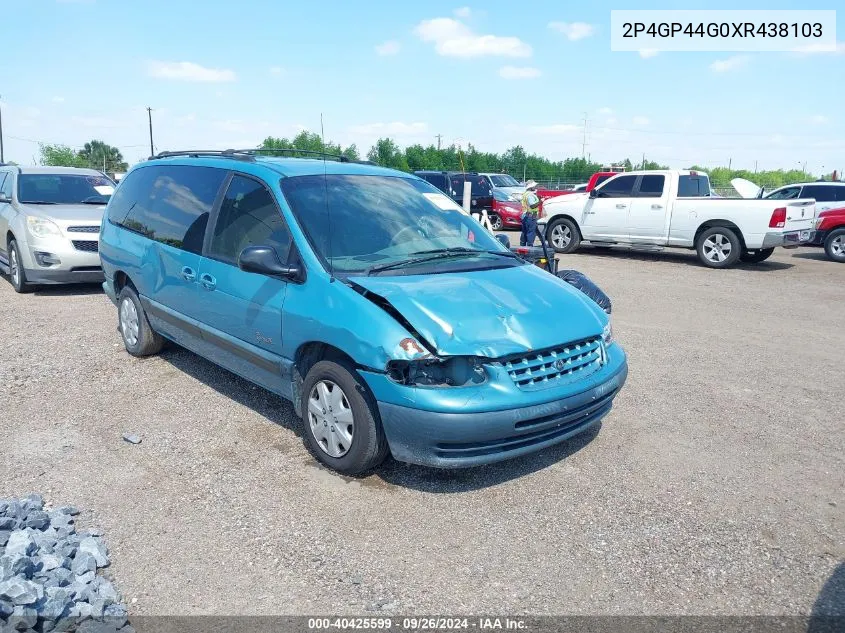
<point>355,223</point>
<point>64,189</point>
<point>620,187</point>
<point>171,203</point>
<point>6,185</point>
<point>787,193</point>
<point>248,217</point>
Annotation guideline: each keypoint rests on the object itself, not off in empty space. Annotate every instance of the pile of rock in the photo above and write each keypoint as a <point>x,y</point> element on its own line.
<point>48,572</point>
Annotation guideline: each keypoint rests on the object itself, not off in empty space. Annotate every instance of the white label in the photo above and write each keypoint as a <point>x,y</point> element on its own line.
<point>104,190</point>
<point>442,202</point>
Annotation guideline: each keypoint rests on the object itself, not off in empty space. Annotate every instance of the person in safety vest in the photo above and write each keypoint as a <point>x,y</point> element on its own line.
<point>530,209</point>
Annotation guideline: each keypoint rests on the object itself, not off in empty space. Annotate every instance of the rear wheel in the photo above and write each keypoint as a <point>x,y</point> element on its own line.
<point>139,338</point>
<point>17,275</point>
<point>756,256</point>
<point>342,424</point>
<point>563,235</point>
<point>834,245</point>
<point>718,247</point>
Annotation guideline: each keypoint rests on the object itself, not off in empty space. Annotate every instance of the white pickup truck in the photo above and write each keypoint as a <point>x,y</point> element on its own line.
<point>674,208</point>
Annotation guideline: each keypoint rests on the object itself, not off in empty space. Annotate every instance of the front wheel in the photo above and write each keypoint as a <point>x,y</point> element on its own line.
<point>563,235</point>
<point>17,275</point>
<point>342,424</point>
<point>834,245</point>
<point>756,256</point>
<point>718,247</point>
<point>495,221</point>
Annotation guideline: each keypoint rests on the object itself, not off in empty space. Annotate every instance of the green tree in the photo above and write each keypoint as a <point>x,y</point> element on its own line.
<point>99,155</point>
<point>387,154</point>
<point>60,156</point>
<point>309,142</point>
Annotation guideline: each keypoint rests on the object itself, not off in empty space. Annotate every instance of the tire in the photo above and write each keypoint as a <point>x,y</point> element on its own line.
<point>563,235</point>
<point>755,257</point>
<point>718,247</point>
<point>17,275</point>
<point>139,338</point>
<point>495,221</point>
<point>331,387</point>
<point>834,245</point>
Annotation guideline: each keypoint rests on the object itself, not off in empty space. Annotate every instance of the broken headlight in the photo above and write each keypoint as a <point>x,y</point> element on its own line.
<point>458,371</point>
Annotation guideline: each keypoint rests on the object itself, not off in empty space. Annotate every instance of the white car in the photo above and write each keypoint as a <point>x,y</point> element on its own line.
<point>828,195</point>
<point>505,183</point>
<point>675,208</point>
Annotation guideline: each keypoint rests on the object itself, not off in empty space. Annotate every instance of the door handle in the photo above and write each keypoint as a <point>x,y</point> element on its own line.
<point>657,206</point>
<point>621,206</point>
<point>188,274</point>
<point>208,282</point>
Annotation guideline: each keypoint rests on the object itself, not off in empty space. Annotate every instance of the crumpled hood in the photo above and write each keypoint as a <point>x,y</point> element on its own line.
<point>64,213</point>
<point>490,313</point>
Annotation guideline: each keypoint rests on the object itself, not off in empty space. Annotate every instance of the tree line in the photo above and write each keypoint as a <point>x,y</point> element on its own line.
<point>387,153</point>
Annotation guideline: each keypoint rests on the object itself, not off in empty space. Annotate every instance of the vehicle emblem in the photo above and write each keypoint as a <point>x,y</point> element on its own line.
<point>559,364</point>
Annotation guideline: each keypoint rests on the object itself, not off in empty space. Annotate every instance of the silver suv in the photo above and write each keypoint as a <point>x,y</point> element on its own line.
<point>50,224</point>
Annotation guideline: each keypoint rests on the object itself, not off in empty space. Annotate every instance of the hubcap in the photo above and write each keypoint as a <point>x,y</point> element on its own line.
<point>14,271</point>
<point>330,418</point>
<point>129,322</point>
<point>837,246</point>
<point>717,248</point>
<point>561,236</point>
<point>496,222</point>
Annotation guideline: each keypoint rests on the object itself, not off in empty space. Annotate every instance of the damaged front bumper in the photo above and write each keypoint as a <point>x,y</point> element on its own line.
<point>470,426</point>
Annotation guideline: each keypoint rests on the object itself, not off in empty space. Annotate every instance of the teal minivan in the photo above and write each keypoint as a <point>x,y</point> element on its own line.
<point>392,320</point>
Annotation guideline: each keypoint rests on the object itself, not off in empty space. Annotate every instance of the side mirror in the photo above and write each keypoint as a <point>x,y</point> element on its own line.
<point>264,261</point>
<point>594,193</point>
<point>504,239</point>
<point>5,200</point>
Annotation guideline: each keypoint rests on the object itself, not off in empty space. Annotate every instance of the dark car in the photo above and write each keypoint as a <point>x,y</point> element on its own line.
<point>452,184</point>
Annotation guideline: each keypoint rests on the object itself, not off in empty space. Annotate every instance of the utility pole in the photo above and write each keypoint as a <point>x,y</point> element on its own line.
<point>2,159</point>
<point>642,166</point>
<point>438,137</point>
<point>729,164</point>
<point>755,166</point>
<point>584,139</point>
<point>150,117</point>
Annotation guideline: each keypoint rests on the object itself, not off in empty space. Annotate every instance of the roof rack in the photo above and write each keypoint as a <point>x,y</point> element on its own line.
<point>249,154</point>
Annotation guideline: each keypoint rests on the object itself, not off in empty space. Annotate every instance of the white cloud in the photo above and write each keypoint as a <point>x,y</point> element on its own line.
<point>819,119</point>
<point>611,121</point>
<point>188,71</point>
<point>814,49</point>
<point>463,12</point>
<point>605,110</point>
<point>452,38</point>
<point>390,47</point>
<point>647,53</point>
<point>58,99</point>
<point>519,72</point>
<point>397,128</point>
<point>640,120</point>
<point>731,63</point>
<point>276,70</point>
<point>573,31</point>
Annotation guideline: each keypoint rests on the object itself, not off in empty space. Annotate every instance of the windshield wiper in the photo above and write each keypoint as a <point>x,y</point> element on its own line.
<point>436,254</point>
<point>100,202</point>
<point>37,202</point>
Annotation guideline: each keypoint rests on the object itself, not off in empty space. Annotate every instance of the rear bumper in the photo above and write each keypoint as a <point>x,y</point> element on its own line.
<point>791,239</point>
<point>459,440</point>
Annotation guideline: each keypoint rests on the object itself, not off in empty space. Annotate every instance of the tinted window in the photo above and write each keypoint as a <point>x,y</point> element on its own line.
<point>693,186</point>
<point>480,185</point>
<point>600,180</point>
<point>438,180</point>
<point>6,184</point>
<point>248,217</point>
<point>787,193</point>
<point>824,193</point>
<point>134,187</point>
<point>64,188</point>
<point>652,186</point>
<point>621,187</point>
<point>174,205</point>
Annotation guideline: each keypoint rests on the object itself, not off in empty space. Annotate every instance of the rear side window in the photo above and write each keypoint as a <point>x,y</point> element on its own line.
<point>621,187</point>
<point>438,180</point>
<point>651,186</point>
<point>693,186</point>
<point>824,193</point>
<point>248,217</point>
<point>170,204</point>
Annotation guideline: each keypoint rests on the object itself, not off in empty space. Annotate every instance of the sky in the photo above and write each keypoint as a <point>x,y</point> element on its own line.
<point>498,73</point>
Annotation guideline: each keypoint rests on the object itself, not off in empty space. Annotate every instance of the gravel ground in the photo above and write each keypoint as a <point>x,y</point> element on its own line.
<point>714,486</point>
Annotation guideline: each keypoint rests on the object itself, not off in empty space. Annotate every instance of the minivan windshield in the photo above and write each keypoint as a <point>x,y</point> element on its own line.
<point>504,181</point>
<point>359,223</point>
<point>64,189</point>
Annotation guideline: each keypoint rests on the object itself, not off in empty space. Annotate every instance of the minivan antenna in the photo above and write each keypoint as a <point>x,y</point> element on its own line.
<point>326,193</point>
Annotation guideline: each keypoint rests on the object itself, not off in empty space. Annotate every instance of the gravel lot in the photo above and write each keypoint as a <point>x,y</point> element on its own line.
<point>714,486</point>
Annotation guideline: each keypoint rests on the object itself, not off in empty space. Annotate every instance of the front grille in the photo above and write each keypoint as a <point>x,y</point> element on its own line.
<point>555,366</point>
<point>83,229</point>
<point>88,247</point>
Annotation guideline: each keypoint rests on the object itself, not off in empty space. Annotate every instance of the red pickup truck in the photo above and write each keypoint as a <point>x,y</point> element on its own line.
<point>830,233</point>
<point>595,180</point>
